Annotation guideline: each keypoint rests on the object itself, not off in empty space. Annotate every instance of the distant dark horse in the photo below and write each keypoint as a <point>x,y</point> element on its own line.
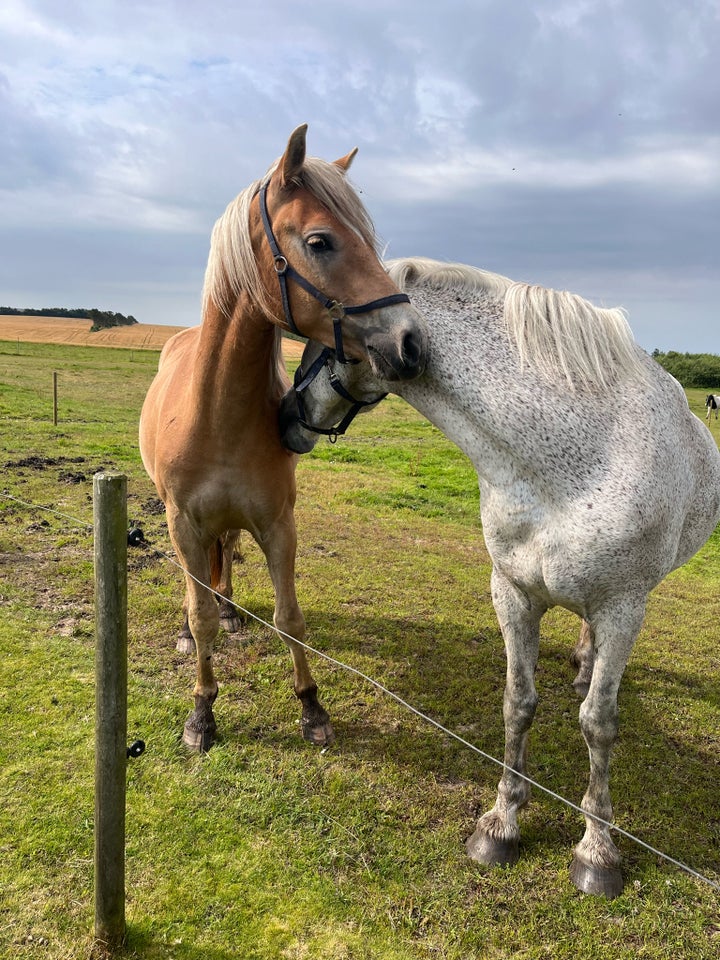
<point>712,402</point>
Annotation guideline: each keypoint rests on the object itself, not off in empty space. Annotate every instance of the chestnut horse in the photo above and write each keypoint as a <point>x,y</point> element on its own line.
<point>606,484</point>
<point>209,434</point>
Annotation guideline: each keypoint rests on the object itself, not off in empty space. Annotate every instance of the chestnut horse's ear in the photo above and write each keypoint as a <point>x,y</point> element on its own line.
<point>344,162</point>
<point>294,157</point>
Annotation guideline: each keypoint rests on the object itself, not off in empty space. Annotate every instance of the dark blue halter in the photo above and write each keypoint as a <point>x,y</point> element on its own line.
<point>336,309</point>
<point>303,381</point>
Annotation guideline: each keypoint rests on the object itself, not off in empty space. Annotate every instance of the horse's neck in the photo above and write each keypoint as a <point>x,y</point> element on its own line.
<point>471,384</point>
<point>237,357</point>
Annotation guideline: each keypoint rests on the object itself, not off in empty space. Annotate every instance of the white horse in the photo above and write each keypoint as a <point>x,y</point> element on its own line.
<point>607,484</point>
<point>712,402</point>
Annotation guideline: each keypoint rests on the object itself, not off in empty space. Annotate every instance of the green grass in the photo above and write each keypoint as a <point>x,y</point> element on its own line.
<point>266,848</point>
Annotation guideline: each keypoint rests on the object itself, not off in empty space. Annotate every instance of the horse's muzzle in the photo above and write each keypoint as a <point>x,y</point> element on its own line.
<point>403,358</point>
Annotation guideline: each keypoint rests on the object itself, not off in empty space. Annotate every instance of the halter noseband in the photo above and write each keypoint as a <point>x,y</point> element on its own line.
<point>303,381</point>
<point>336,309</point>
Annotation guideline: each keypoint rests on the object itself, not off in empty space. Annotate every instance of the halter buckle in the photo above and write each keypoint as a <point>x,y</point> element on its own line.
<point>336,309</point>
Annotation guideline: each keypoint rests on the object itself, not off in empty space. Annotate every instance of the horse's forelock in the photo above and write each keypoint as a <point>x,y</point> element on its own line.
<point>329,183</point>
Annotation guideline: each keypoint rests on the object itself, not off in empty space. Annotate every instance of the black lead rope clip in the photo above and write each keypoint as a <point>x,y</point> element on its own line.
<point>136,749</point>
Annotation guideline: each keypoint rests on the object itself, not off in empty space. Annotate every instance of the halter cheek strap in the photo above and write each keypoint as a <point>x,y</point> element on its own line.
<point>336,309</point>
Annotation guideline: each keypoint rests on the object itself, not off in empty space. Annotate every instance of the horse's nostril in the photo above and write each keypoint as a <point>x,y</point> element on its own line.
<point>412,347</point>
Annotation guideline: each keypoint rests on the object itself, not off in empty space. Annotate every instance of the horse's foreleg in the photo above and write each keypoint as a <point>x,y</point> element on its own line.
<point>596,860</point>
<point>203,621</point>
<point>279,546</point>
<point>583,657</point>
<point>496,837</point>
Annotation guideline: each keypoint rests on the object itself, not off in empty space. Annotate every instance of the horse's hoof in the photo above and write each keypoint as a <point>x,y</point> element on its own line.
<point>231,624</point>
<point>488,850</point>
<point>185,643</point>
<point>581,687</point>
<point>200,728</point>
<point>230,619</point>
<point>319,734</point>
<point>199,738</point>
<point>600,881</point>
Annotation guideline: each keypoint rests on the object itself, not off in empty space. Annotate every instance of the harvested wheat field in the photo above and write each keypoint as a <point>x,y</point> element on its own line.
<point>137,336</point>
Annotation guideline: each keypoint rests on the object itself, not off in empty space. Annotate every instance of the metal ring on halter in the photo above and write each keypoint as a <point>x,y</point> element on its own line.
<point>281,264</point>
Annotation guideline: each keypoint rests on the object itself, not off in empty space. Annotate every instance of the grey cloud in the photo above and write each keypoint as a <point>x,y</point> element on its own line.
<point>132,126</point>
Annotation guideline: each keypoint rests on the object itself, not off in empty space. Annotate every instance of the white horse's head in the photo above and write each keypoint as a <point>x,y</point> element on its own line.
<point>326,397</point>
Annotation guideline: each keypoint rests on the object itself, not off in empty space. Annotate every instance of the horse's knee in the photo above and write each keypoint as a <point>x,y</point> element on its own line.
<point>599,723</point>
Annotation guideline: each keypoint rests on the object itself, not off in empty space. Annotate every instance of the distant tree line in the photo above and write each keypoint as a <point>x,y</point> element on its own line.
<point>101,319</point>
<point>691,369</point>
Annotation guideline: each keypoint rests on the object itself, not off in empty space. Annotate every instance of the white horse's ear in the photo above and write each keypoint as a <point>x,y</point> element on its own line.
<point>294,157</point>
<point>344,162</point>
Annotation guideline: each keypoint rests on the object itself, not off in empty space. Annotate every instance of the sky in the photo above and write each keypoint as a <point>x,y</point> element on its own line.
<point>570,143</point>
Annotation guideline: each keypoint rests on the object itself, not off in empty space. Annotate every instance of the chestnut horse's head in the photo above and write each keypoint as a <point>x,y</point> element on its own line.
<point>302,246</point>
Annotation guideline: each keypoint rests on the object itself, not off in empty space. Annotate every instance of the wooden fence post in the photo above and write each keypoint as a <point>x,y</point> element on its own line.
<point>55,399</point>
<point>110,521</point>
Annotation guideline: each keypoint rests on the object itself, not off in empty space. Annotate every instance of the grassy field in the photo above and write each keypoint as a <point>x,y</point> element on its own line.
<point>266,848</point>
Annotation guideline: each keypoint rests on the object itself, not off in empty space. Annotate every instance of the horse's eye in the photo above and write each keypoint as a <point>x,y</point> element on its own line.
<point>318,243</point>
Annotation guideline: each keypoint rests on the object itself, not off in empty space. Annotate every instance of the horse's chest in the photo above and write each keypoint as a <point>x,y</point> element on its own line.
<point>530,544</point>
<point>513,521</point>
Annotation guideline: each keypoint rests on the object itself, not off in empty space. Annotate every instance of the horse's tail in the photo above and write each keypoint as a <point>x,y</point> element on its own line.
<point>216,563</point>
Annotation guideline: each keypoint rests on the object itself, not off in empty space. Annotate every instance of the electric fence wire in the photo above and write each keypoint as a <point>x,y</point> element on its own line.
<point>408,706</point>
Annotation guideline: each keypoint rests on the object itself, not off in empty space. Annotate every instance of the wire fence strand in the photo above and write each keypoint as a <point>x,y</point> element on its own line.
<point>679,864</point>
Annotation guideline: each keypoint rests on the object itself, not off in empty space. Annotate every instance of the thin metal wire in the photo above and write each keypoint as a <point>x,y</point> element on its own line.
<point>38,506</point>
<point>408,706</point>
<point>466,743</point>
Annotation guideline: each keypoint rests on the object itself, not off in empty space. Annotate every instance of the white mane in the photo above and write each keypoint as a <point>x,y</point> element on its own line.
<point>554,332</point>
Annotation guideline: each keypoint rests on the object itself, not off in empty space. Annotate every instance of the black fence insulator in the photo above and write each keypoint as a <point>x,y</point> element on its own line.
<point>136,749</point>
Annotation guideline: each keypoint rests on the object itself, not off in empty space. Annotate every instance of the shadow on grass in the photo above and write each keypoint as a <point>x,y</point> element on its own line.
<point>664,788</point>
<point>141,944</point>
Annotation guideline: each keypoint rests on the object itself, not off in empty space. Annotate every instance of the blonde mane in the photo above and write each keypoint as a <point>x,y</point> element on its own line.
<point>232,266</point>
<point>554,332</point>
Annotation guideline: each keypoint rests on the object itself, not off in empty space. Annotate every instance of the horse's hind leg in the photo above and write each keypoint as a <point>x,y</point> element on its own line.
<point>583,657</point>
<point>596,860</point>
<point>496,837</point>
<point>230,618</point>
<point>220,558</point>
<point>203,621</point>
<point>279,545</point>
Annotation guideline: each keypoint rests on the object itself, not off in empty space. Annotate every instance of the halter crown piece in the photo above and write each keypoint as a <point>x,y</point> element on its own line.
<point>335,309</point>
